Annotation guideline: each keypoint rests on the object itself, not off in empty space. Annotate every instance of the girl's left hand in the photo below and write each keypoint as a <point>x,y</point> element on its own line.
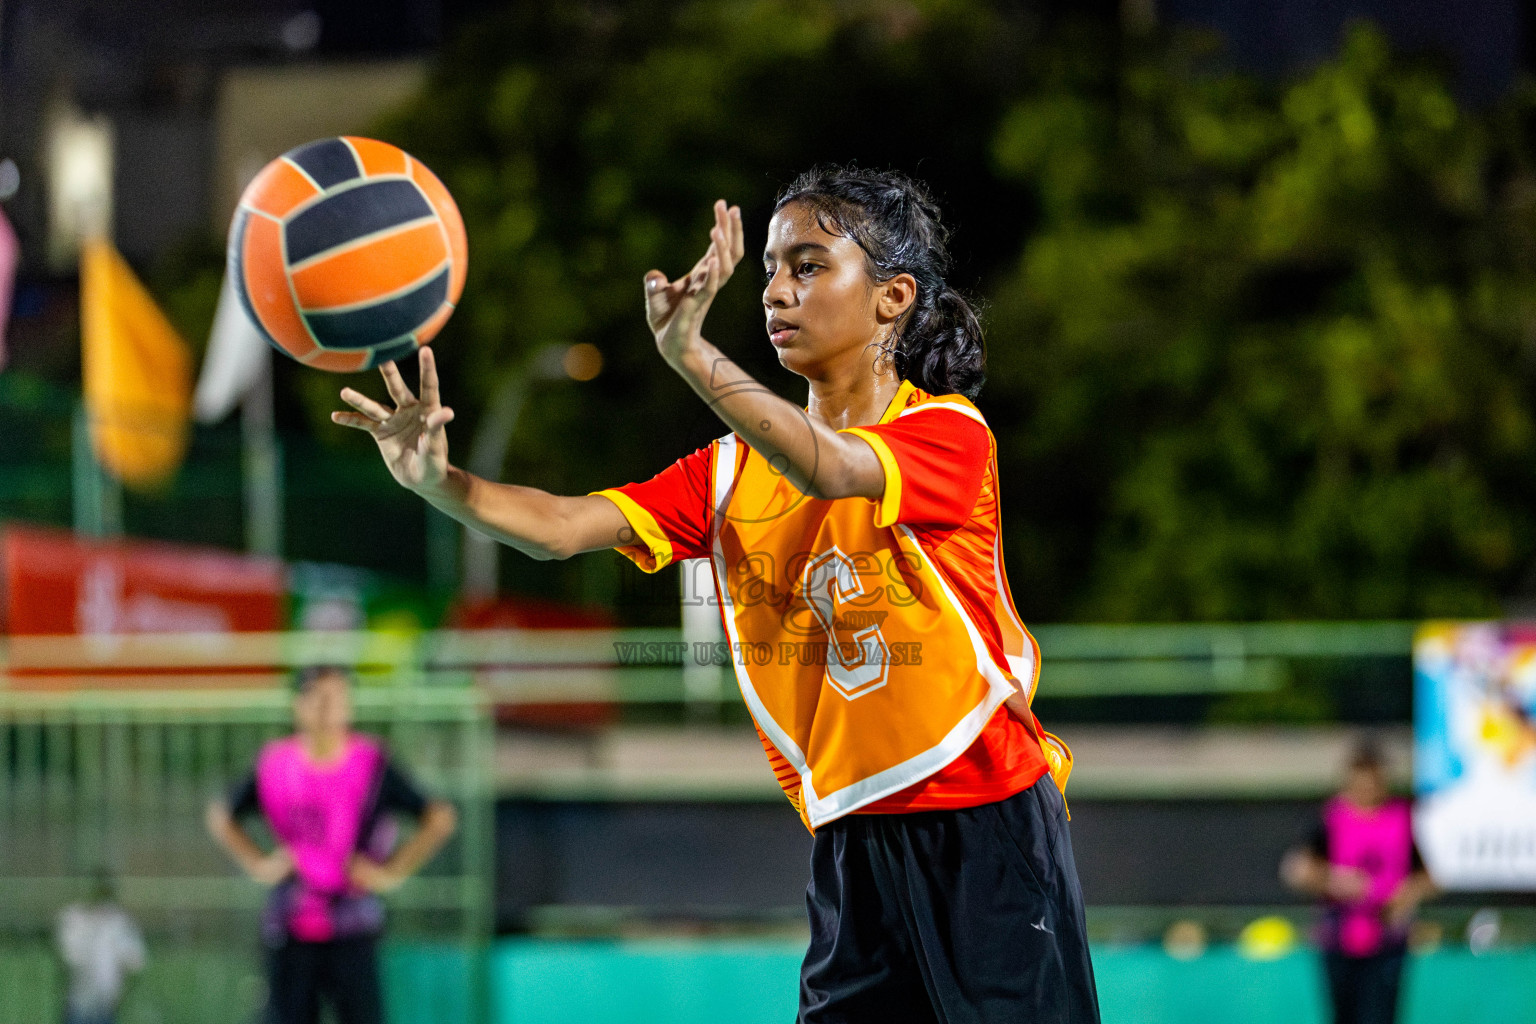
<point>1346,884</point>
<point>371,876</point>
<point>1405,899</point>
<point>675,309</point>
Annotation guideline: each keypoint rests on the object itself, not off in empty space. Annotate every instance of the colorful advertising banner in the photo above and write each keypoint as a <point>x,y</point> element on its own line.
<point>1475,753</point>
<point>58,583</point>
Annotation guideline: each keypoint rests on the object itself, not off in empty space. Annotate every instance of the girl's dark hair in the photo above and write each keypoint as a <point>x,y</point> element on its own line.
<point>938,343</point>
<point>302,678</point>
<point>1367,754</point>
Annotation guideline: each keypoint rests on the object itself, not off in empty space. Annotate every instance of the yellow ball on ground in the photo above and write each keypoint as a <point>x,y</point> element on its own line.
<point>1267,938</point>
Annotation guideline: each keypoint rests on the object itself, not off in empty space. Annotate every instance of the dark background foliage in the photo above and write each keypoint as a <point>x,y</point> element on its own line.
<point>1259,348</point>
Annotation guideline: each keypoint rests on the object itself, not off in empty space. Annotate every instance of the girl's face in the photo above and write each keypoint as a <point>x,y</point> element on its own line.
<point>1366,786</point>
<point>325,706</point>
<point>821,305</point>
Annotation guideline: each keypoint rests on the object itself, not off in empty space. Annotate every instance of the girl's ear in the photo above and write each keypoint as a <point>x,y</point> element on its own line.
<point>895,297</point>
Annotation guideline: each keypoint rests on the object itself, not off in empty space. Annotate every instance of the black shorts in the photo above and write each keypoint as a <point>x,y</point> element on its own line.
<point>972,915</point>
<point>1364,989</point>
<point>345,972</point>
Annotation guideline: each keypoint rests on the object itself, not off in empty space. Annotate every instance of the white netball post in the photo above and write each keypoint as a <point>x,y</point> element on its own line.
<point>480,573</point>
<point>702,636</point>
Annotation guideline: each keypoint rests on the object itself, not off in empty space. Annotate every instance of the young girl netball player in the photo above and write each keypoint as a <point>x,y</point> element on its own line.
<point>327,794</point>
<point>858,564</point>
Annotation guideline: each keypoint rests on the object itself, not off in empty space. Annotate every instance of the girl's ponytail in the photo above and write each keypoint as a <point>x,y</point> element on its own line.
<point>941,348</point>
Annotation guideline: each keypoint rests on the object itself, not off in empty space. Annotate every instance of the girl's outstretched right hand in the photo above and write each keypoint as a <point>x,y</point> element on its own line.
<point>675,309</point>
<point>411,436</point>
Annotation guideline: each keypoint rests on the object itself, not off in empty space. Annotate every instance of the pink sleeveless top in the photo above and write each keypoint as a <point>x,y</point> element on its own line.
<point>1378,843</point>
<point>323,814</point>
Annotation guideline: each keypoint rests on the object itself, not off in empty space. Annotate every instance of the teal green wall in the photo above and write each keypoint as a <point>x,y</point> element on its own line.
<point>426,982</point>
<point>708,982</point>
<point>755,983</point>
<point>676,982</point>
<point>193,985</point>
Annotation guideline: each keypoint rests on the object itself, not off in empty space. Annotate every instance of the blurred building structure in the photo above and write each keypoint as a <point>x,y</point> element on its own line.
<point>262,111</point>
<point>160,83</point>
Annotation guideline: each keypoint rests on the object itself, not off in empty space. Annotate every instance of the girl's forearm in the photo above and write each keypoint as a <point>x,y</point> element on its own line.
<point>524,518</point>
<point>232,838</point>
<point>814,457</point>
<point>1422,886</point>
<point>1305,872</point>
<point>436,826</point>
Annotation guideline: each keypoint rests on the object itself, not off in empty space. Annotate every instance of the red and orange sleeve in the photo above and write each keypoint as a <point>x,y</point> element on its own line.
<point>935,459</point>
<point>669,513</point>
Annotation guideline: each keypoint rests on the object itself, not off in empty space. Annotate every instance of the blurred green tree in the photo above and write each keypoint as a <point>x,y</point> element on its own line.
<point>585,144</point>
<point>1257,350</point>
<point>1270,351</point>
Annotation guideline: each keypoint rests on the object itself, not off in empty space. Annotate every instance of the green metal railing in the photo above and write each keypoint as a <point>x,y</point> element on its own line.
<point>639,666</point>
<point>644,666</point>
<point>118,780</point>
<point>110,747</point>
<point>1114,660</point>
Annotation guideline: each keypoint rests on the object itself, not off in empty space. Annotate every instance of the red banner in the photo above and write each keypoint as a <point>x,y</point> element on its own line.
<point>58,583</point>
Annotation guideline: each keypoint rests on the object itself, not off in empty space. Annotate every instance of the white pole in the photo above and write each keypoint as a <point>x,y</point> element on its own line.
<point>262,463</point>
<point>488,453</point>
<point>97,496</point>
<point>703,639</point>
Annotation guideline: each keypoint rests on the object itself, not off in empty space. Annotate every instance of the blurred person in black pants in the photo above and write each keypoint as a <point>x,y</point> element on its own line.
<point>1362,864</point>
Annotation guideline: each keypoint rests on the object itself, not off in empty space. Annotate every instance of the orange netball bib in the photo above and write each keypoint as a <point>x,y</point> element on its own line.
<point>857,660</point>
<point>871,642</point>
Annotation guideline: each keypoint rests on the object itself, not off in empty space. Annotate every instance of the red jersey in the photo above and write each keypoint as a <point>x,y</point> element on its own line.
<point>940,493</point>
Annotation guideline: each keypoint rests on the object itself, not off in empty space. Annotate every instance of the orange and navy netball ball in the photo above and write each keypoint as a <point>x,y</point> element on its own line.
<point>347,253</point>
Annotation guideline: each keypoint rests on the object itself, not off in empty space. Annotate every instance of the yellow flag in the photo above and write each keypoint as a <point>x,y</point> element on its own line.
<point>138,372</point>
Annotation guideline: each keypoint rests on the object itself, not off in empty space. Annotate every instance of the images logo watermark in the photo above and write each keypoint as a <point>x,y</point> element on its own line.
<point>646,653</point>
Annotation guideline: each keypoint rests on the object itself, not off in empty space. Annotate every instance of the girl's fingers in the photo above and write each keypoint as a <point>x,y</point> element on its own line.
<point>396,384</point>
<point>423,440</point>
<point>700,276</point>
<point>722,247</point>
<point>738,247</point>
<point>657,301</point>
<point>716,276</point>
<point>699,283</point>
<point>353,420</point>
<point>439,417</point>
<point>365,405</point>
<point>720,234</point>
<point>732,243</point>
<point>697,267</point>
<point>726,240</point>
<point>723,225</point>
<point>727,246</point>
<point>662,298</point>
<point>428,364</point>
